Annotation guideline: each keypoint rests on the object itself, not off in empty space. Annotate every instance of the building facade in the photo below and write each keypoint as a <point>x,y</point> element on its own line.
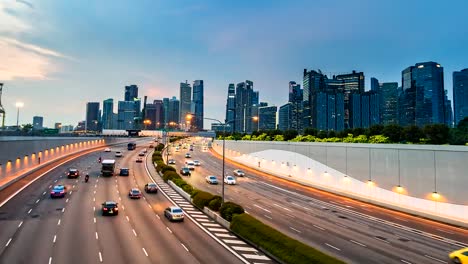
<point>231,107</point>
<point>460,95</point>
<point>388,93</point>
<point>131,92</point>
<point>284,117</point>
<point>92,116</point>
<point>198,102</point>
<point>185,101</point>
<point>108,114</point>
<point>38,122</point>
<point>174,113</point>
<point>267,117</point>
<point>296,95</point>
<point>245,100</point>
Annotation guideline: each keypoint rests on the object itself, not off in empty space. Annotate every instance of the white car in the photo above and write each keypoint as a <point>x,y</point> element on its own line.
<point>190,165</point>
<point>118,154</point>
<point>211,179</point>
<point>196,163</point>
<point>107,150</point>
<point>230,180</point>
<point>239,173</point>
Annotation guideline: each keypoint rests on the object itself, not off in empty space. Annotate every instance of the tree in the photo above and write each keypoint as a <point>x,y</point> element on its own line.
<point>289,134</point>
<point>376,130</point>
<point>27,128</point>
<point>331,134</point>
<point>358,131</point>
<point>413,134</point>
<point>437,134</point>
<point>322,134</point>
<point>310,131</point>
<point>393,132</point>
<point>463,125</point>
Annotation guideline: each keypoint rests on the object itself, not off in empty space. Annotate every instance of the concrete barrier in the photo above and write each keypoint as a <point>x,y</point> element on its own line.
<point>217,217</point>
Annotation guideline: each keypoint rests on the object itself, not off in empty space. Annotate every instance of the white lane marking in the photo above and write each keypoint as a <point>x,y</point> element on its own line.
<point>217,230</point>
<point>404,261</point>
<point>50,260</point>
<point>436,259</point>
<point>95,185</point>
<point>55,181</point>
<point>295,229</point>
<point>231,241</point>
<point>63,210</point>
<point>8,243</point>
<point>29,211</point>
<point>120,198</point>
<point>59,221</point>
<point>123,207</point>
<point>158,217</point>
<point>94,192</point>
<point>94,199</point>
<point>224,235</point>
<point>254,256</point>
<point>73,186</point>
<point>128,219</point>
<point>71,192</point>
<point>38,200</point>
<point>55,239</point>
<point>185,247</point>
<point>97,180</point>
<point>266,210</point>
<point>245,249</point>
<point>97,236</point>
<point>94,219</point>
<point>44,193</point>
<point>277,205</point>
<point>333,247</point>
<point>94,208</point>
<point>268,217</point>
<point>50,186</point>
<point>100,256</point>
<point>21,223</point>
<point>67,200</point>
<point>134,232</point>
<point>168,229</point>
<point>357,243</point>
<point>117,191</point>
<point>149,205</point>
<point>144,251</point>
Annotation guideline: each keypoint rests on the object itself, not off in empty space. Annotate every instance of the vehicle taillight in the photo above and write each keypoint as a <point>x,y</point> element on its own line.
<point>105,209</point>
<point>62,192</point>
<point>52,192</point>
<point>116,209</point>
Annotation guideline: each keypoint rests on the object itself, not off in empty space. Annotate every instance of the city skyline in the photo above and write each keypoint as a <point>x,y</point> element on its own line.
<point>52,58</point>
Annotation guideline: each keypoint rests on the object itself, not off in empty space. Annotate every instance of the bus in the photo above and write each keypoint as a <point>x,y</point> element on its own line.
<point>108,167</point>
<point>131,146</point>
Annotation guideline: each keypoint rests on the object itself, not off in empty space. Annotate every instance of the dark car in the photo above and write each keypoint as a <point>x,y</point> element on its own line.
<point>151,187</point>
<point>134,193</point>
<point>124,172</point>
<point>185,171</point>
<point>58,191</point>
<point>73,173</point>
<point>110,208</point>
<point>141,154</point>
<point>171,161</point>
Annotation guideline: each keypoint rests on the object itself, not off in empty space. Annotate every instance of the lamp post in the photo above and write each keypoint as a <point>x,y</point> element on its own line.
<point>256,119</point>
<point>18,106</point>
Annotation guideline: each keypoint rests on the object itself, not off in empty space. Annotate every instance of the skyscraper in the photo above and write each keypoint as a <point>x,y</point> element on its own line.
<point>185,100</point>
<point>126,115</point>
<point>231,107</point>
<point>460,95</point>
<point>108,114</point>
<point>284,117</point>
<point>166,111</point>
<point>267,117</point>
<point>388,93</point>
<point>159,121</point>
<point>295,98</point>
<point>92,116</point>
<point>427,80</point>
<point>198,103</point>
<point>150,115</point>
<point>374,84</point>
<point>174,112</point>
<point>131,92</point>
<point>245,98</point>
<point>448,110</point>
<point>38,122</point>
<point>352,82</point>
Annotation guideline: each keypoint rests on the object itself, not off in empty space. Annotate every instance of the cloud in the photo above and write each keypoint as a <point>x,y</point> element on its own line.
<point>28,4</point>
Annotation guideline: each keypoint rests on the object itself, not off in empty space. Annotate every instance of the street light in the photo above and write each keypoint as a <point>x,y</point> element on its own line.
<point>257,120</point>
<point>147,122</point>
<point>18,106</point>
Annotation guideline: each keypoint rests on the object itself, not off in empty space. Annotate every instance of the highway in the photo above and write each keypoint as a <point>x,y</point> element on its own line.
<point>353,231</point>
<point>38,229</point>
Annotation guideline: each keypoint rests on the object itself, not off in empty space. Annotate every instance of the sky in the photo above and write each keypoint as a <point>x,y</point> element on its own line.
<point>58,55</point>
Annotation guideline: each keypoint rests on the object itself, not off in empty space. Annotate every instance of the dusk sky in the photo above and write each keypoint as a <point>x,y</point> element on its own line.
<point>58,55</point>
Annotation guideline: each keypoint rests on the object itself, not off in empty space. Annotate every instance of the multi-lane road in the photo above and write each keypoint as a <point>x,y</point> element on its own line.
<point>354,231</point>
<point>38,229</point>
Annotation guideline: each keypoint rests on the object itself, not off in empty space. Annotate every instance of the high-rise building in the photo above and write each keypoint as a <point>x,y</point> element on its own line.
<point>295,98</point>
<point>352,82</point>
<point>427,80</point>
<point>38,122</point>
<point>460,95</point>
<point>374,84</point>
<point>126,115</point>
<point>267,117</point>
<point>388,93</point>
<point>159,122</point>
<point>154,113</point>
<point>108,114</point>
<point>185,101</point>
<point>166,111</point>
<point>245,99</point>
<point>312,83</point>
<point>197,122</point>
<point>231,107</point>
<point>174,113</point>
<point>448,110</point>
<point>92,116</point>
<point>131,92</point>
<point>284,117</point>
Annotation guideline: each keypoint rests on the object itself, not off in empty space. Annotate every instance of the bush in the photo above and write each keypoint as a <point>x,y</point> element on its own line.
<point>188,188</point>
<point>283,247</point>
<point>167,168</point>
<point>215,203</point>
<point>160,165</point>
<point>229,209</point>
<point>194,192</point>
<point>170,175</point>
<point>201,199</point>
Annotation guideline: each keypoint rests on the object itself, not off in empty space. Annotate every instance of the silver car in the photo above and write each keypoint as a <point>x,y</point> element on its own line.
<point>174,213</point>
<point>239,173</point>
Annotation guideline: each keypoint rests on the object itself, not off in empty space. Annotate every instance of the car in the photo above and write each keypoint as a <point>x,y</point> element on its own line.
<point>73,173</point>
<point>459,256</point>
<point>118,154</point>
<point>230,180</point>
<point>187,155</point>
<point>211,179</point>
<point>151,146</point>
<point>171,161</point>
<point>58,191</point>
<point>185,171</point>
<point>144,151</point>
<point>141,154</point>
<point>151,187</point>
<point>110,208</point>
<point>196,163</point>
<point>191,149</point>
<point>134,193</point>
<point>177,149</point>
<point>139,160</point>
<point>239,173</point>
<point>107,150</point>
<point>174,213</point>
<point>190,165</point>
<point>124,172</point>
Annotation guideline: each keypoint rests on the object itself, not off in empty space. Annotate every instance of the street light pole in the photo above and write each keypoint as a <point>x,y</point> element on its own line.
<point>18,106</point>
<point>224,135</point>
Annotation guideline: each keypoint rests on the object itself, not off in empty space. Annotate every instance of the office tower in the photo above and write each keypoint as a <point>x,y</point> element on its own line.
<point>355,113</point>
<point>80,126</point>
<point>127,115</point>
<point>65,128</point>
<point>166,111</point>
<point>295,98</point>
<point>245,97</point>
<point>38,122</point>
<point>284,117</point>
<point>374,84</point>
<point>149,123</point>
<point>57,125</point>
<point>448,110</point>
<point>197,122</point>
<point>159,121</point>
<point>423,87</point>
<point>92,116</point>
<point>231,107</point>
<point>460,95</point>
<point>352,82</point>
<point>185,101</point>
<point>174,113</point>
<point>312,82</point>
<point>108,114</point>
<point>388,93</point>
<point>131,92</point>
<point>267,117</point>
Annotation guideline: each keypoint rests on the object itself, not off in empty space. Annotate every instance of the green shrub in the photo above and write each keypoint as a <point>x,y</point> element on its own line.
<point>201,199</point>
<point>170,175</point>
<point>188,188</point>
<point>283,247</point>
<point>167,168</point>
<point>194,192</point>
<point>160,165</point>
<point>215,203</point>
<point>229,209</point>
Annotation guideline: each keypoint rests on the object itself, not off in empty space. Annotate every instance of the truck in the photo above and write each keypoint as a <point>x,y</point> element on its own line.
<point>108,167</point>
<point>131,146</point>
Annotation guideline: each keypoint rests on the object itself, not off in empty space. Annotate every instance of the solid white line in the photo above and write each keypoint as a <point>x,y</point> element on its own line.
<point>95,185</point>
<point>29,211</point>
<point>144,250</point>
<point>134,232</point>
<point>44,193</point>
<point>333,247</point>
<point>185,247</point>
<point>436,259</point>
<point>100,256</point>
<point>268,217</point>
<point>66,200</point>
<point>58,223</point>
<point>8,243</point>
<point>97,237</point>
<point>21,223</point>
<point>94,192</point>
<point>404,261</point>
<point>158,217</point>
<point>50,260</point>
<point>357,243</point>
<point>170,231</point>
<point>149,205</point>
<point>55,238</point>
<point>266,210</point>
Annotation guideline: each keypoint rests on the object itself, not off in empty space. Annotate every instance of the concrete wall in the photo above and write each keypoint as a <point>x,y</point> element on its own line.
<point>420,170</point>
